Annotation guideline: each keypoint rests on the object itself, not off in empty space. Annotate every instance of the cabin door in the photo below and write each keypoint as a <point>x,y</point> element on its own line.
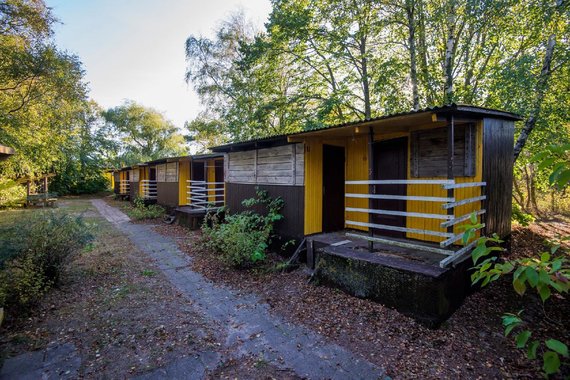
<point>198,171</point>
<point>333,188</point>
<point>152,174</point>
<point>391,163</point>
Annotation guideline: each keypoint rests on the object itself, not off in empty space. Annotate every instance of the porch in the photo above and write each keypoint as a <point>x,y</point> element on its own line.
<point>407,279</point>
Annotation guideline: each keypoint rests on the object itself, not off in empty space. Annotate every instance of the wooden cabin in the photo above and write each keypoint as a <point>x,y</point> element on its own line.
<point>201,187</point>
<point>390,194</point>
<point>122,179</point>
<point>6,152</point>
<point>170,181</point>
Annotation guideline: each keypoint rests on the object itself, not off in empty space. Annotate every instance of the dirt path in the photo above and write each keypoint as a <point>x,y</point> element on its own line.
<point>249,327</point>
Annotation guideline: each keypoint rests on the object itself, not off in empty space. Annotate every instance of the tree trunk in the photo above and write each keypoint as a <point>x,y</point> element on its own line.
<point>424,54</point>
<point>410,8</point>
<point>448,64</point>
<point>365,84</point>
<point>540,90</point>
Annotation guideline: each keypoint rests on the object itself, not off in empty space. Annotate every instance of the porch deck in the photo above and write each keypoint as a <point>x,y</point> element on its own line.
<point>411,281</point>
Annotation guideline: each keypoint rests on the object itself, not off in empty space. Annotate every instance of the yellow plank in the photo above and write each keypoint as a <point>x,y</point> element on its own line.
<point>183,176</point>
<point>313,186</point>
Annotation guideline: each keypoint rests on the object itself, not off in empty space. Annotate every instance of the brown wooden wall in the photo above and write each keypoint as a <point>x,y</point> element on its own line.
<point>167,194</point>
<point>498,139</point>
<point>292,226</point>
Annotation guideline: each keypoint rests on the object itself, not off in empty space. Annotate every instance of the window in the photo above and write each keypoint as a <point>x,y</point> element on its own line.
<point>429,152</point>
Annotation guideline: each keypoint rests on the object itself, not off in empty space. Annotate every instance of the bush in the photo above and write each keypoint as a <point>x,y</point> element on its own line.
<point>243,238</point>
<point>35,250</point>
<point>141,211</point>
<point>521,217</point>
<point>11,193</point>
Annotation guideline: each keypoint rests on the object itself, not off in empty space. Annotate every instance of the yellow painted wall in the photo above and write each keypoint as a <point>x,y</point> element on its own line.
<point>211,177</point>
<point>357,169</point>
<point>183,176</point>
<point>438,191</point>
<point>313,186</point>
<point>111,178</point>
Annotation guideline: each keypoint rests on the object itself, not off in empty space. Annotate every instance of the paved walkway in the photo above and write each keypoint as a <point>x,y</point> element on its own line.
<point>250,328</point>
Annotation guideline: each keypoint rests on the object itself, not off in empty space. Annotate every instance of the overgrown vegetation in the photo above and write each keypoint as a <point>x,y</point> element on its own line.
<point>242,239</point>
<point>547,273</point>
<point>142,211</point>
<point>34,252</point>
<point>11,193</point>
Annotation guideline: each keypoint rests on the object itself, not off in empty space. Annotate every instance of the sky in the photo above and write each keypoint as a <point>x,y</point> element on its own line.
<point>134,49</point>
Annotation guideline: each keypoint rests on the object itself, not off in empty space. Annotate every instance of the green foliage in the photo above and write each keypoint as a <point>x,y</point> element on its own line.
<point>144,133</point>
<point>242,239</point>
<point>142,211</point>
<point>34,252</point>
<point>556,158</point>
<point>546,273</point>
<point>521,217</point>
<point>11,193</point>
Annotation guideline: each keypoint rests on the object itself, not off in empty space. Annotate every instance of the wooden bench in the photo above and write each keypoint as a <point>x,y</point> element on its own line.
<point>45,199</point>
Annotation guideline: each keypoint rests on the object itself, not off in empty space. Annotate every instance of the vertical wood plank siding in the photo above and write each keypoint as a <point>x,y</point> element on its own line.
<point>211,177</point>
<point>313,186</point>
<point>291,226</point>
<point>498,173</point>
<point>283,165</point>
<point>437,191</point>
<point>167,194</point>
<point>356,168</point>
<point>183,176</point>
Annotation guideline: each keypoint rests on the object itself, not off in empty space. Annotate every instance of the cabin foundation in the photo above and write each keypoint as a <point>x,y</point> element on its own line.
<point>410,281</point>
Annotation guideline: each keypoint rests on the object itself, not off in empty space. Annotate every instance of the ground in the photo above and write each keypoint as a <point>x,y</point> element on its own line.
<point>120,300</point>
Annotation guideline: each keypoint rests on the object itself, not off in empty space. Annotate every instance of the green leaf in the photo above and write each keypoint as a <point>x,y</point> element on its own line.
<point>543,277</point>
<point>522,338</point>
<point>532,276</point>
<point>473,218</point>
<point>518,272</point>
<point>547,162</point>
<point>563,178</point>
<point>545,256</point>
<point>556,265</point>
<point>544,292</point>
<point>551,362</point>
<point>519,286</point>
<point>531,353</point>
<point>558,346</point>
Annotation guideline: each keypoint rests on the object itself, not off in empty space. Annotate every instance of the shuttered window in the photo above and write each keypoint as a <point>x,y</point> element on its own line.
<point>172,172</point>
<point>429,152</point>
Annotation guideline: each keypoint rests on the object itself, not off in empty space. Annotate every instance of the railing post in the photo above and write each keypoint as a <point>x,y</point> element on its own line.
<point>370,187</point>
<point>450,162</point>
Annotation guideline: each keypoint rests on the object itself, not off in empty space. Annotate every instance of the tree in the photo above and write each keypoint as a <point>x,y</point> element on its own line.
<point>144,133</point>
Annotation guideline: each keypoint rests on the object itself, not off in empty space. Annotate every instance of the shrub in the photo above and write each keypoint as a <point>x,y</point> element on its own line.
<point>243,238</point>
<point>35,250</point>
<point>141,211</point>
<point>11,193</point>
<point>521,217</point>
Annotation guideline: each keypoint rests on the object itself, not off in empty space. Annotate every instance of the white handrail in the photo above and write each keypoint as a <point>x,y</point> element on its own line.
<point>446,220</point>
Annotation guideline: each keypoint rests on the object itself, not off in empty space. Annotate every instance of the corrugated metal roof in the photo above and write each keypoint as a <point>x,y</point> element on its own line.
<point>449,108</point>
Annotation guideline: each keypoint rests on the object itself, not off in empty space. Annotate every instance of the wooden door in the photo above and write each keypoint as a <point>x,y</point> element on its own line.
<point>152,174</point>
<point>391,163</point>
<point>198,171</point>
<point>333,188</point>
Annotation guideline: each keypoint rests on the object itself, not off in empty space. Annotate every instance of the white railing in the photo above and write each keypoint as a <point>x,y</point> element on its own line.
<point>124,186</point>
<point>446,220</point>
<point>204,195</point>
<point>148,189</point>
